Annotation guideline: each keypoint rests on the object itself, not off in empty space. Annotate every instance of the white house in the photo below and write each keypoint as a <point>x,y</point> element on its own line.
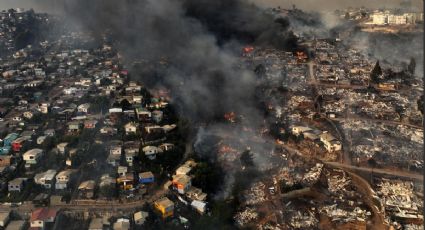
<point>83,108</point>
<point>130,128</point>
<point>151,151</point>
<point>115,149</point>
<point>45,179</point>
<point>199,206</point>
<point>298,130</point>
<point>63,178</point>
<point>140,217</point>
<point>62,147</point>
<point>330,142</point>
<point>32,156</point>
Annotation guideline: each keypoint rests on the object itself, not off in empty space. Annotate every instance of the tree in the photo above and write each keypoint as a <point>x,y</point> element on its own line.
<point>260,71</point>
<point>420,103</point>
<point>412,66</point>
<point>125,104</point>
<point>376,73</point>
<point>347,16</point>
<point>372,163</point>
<point>247,159</point>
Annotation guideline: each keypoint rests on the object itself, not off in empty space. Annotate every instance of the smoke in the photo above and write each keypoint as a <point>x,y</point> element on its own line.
<point>193,48</point>
<point>193,37</point>
<point>330,5</point>
<point>391,49</point>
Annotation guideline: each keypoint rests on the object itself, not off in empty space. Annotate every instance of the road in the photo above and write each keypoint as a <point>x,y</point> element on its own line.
<point>92,206</point>
<point>401,174</point>
<point>354,117</point>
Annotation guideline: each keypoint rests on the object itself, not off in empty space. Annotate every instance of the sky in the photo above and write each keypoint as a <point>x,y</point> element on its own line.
<point>321,5</point>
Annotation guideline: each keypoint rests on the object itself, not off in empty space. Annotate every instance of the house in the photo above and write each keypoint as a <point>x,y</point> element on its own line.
<point>62,147</point>
<point>31,157</point>
<point>165,206</point>
<point>299,130</point>
<point>16,185</point>
<point>45,179</point>
<point>96,224</point>
<point>122,170</point>
<point>140,217</point>
<point>5,150</point>
<point>129,158</point>
<point>83,108</point>
<point>186,167</point>
<point>7,141</point>
<point>115,148</point>
<point>132,147</point>
<point>49,132</point>
<point>106,180</point>
<point>113,159</point>
<point>146,177</point>
<point>143,114</point>
<point>330,142</point>
<point>183,170</point>
<point>108,130</point>
<point>19,142</point>
<point>153,129</point>
<point>196,194</point>
<point>41,217</point>
<point>130,128</point>
<point>5,160</point>
<point>28,114</point>
<point>312,136</point>
<point>90,124</point>
<point>199,206</point>
<point>86,189</point>
<point>73,126</point>
<point>41,199</point>
<point>157,116</point>
<point>166,146</point>
<point>126,182</point>
<point>16,225</point>
<point>63,178</point>
<point>43,108</point>
<point>40,140</point>
<point>151,151</point>
<point>122,224</point>
<point>181,183</point>
<point>4,218</point>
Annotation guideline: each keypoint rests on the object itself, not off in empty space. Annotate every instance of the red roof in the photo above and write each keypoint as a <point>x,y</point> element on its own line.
<point>43,214</point>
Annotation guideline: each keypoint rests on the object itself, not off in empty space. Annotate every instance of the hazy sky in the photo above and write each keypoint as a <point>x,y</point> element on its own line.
<point>336,4</point>
<point>48,5</point>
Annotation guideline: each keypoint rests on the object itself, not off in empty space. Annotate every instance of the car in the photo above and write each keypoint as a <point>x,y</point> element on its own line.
<point>1,119</point>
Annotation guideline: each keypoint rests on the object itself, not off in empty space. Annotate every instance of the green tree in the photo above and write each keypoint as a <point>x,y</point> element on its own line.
<point>376,73</point>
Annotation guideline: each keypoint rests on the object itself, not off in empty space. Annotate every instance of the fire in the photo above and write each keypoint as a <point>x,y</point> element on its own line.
<point>227,149</point>
<point>248,49</point>
<point>301,55</point>
<point>279,142</point>
<point>230,116</point>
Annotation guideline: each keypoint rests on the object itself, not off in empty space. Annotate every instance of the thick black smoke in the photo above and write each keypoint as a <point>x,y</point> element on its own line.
<point>237,19</point>
<point>194,38</point>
